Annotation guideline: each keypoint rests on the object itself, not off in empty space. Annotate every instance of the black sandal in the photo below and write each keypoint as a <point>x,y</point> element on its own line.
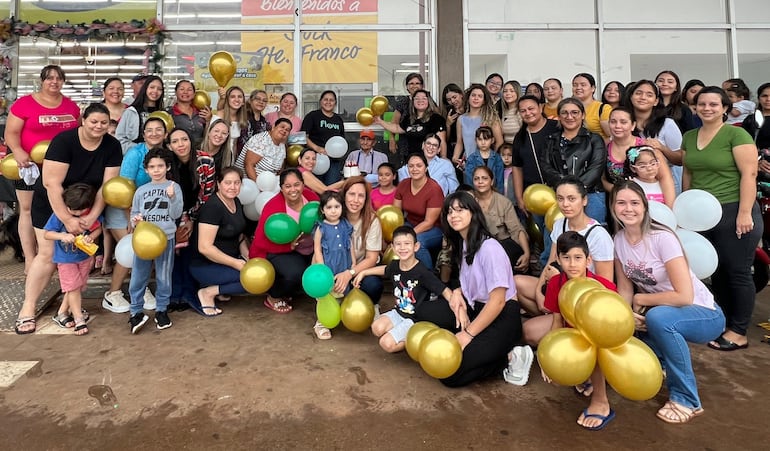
<point>64,320</point>
<point>20,322</point>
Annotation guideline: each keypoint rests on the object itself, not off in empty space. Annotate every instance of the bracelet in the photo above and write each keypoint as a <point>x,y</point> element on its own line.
<point>469,334</point>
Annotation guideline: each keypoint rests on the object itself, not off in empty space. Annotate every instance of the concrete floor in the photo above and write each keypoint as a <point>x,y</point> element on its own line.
<point>254,379</point>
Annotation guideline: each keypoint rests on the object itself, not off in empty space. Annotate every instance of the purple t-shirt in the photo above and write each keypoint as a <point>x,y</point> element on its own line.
<point>491,269</point>
<point>644,263</point>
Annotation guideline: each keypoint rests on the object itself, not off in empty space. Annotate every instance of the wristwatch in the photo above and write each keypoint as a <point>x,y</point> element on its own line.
<point>352,271</point>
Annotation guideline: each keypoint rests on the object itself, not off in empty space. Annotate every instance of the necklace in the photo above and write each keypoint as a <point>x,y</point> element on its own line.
<point>228,203</point>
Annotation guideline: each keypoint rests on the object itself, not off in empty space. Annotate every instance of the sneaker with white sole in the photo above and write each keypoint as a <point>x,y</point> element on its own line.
<point>517,372</point>
<point>162,321</point>
<point>137,321</point>
<point>149,300</point>
<point>115,302</point>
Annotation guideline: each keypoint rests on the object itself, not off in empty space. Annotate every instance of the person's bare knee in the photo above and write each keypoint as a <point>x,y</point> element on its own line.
<point>381,326</point>
<point>388,344</point>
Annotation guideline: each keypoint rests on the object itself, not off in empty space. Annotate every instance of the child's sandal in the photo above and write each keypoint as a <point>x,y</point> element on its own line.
<point>81,328</point>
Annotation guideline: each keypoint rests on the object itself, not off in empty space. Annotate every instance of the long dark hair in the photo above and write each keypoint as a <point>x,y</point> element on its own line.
<point>658,114</point>
<point>141,96</point>
<point>477,230</point>
<point>674,107</point>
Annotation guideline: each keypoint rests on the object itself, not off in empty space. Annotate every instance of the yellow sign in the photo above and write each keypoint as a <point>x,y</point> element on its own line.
<point>77,13</point>
<point>327,57</point>
<point>248,74</point>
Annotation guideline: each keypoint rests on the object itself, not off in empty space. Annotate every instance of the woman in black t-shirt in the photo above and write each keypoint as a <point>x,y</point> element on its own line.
<point>221,248</point>
<point>422,120</point>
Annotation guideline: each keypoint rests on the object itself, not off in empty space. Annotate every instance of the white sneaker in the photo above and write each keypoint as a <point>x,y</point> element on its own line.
<point>149,300</point>
<point>115,302</point>
<point>517,372</point>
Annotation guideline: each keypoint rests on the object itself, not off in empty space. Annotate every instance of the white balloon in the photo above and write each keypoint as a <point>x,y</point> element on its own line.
<point>267,181</point>
<point>321,164</point>
<point>250,211</point>
<point>662,214</point>
<point>700,253</point>
<point>248,192</point>
<point>262,199</point>
<point>336,147</point>
<point>124,251</point>
<point>697,210</point>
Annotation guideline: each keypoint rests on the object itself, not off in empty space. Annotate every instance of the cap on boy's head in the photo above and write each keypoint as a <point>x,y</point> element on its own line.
<point>367,134</point>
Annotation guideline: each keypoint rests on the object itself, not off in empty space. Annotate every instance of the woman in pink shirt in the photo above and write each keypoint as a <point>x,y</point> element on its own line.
<point>34,118</point>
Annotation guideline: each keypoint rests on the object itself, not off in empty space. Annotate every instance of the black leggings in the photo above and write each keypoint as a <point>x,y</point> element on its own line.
<point>732,282</point>
<point>288,273</point>
<point>487,354</point>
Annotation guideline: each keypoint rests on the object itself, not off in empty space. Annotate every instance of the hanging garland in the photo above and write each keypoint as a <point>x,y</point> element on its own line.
<point>11,29</point>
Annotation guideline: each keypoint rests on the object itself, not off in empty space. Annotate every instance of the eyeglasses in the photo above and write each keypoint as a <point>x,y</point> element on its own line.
<point>651,164</point>
<point>496,84</point>
<point>574,113</point>
<point>431,144</point>
<point>260,99</point>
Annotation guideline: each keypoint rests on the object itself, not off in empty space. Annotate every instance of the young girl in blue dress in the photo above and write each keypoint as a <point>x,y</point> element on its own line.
<point>333,234</point>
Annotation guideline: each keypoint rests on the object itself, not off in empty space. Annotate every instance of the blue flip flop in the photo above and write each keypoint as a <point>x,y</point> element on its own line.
<point>605,419</point>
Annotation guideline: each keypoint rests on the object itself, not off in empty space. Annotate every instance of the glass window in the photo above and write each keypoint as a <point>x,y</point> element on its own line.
<point>664,11</point>
<point>519,57</point>
<point>543,11</point>
<point>637,54</point>
<point>753,61</point>
<point>361,12</point>
<point>752,11</point>
<point>192,12</point>
<point>86,64</point>
<point>378,68</point>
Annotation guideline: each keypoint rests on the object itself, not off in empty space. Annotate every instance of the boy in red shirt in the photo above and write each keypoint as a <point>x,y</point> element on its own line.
<point>572,255</point>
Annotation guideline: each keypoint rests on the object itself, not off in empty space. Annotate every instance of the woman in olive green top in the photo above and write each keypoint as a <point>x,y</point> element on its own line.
<point>722,160</point>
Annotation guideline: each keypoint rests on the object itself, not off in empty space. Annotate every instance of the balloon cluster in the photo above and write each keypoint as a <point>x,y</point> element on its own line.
<point>604,328</point>
<point>540,199</point>
<point>377,107</point>
<point>254,195</point>
<point>694,211</point>
<point>436,350</point>
<point>356,311</point>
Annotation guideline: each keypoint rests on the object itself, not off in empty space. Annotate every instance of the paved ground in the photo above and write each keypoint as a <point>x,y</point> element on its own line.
<point>254,379</point>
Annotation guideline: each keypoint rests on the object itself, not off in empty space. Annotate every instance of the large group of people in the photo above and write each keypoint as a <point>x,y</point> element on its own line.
<point>458,174</point>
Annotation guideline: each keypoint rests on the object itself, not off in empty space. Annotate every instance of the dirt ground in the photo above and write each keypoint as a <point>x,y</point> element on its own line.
<point>254,379</point>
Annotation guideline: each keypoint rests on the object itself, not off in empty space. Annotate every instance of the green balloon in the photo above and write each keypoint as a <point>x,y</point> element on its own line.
<point>317,280</point>
<point>328,311</point>
<point>308,217</point>
<point>280,228</point>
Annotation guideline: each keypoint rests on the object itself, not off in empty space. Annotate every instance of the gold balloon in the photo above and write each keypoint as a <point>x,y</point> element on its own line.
<point>390,219</point>
<point>378,105</point>
<point>37,154</point>
<point>9,167</point>
<point>357,311</point>
<point>257,275</point>
<point>119,192</point>
<point>365,117</point>
<point>414,338</point>
<point>538,198</point>
<point>605,318</point>
<point>149,241</point>
<point>167,119</point>
<point>632,370</point>
<point>440,353</point>
<point>572,291</point>
<point>534,232</point>
<point>222,68</point>
<point>389,256</point>
<point>552,215</point>
<point>292,154</point>
<point>201,99</point>
<point>566,356</point>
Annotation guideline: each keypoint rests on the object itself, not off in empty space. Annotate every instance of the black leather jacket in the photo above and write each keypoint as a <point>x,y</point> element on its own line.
<point>585,156</point>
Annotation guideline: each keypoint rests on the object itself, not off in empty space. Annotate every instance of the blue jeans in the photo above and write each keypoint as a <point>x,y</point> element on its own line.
<point>540,221</point>
<point>597,207</point>
<point>183,285</point>
<point>226,278</point>
<point>668,331</point>
<point>140,275</point>
<point>334,174</point>
<point>429,240</point>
